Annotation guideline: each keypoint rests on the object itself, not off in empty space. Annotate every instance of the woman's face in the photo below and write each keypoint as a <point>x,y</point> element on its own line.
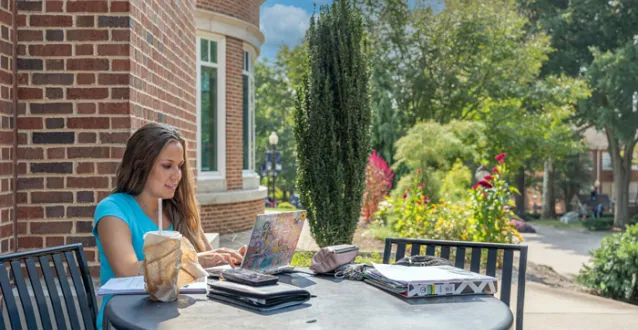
<point>166,172</point>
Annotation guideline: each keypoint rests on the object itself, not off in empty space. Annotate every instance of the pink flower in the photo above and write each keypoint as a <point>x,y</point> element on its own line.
<point>405,196</point>
<point>426,199</point>
<point>421,185</point>
<point>500,158</point>
<point>419,171</point>
<point>475,186</point>
<point>488,177</point>
<point>495,170</point>
<point>485,184</point>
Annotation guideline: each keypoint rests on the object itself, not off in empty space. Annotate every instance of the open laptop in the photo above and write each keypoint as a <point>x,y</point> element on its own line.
<point>273,242</point>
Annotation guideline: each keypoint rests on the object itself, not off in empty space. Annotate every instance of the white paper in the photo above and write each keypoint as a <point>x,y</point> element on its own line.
<point>135,285</point>
<point>430,274</point>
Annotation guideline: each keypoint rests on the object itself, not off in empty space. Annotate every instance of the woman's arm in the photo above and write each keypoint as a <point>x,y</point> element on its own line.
<point>115,237</point>
<point>206,242</point>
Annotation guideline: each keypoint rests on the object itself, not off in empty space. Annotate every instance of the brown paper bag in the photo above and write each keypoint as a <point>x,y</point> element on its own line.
<point>170,263</point>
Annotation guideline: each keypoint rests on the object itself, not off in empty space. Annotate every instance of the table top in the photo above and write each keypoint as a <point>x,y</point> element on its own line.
<point>339,304</point>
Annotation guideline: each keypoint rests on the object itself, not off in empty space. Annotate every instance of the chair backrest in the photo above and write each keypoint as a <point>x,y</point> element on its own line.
<point>48,264</point>
<point>477,249</point>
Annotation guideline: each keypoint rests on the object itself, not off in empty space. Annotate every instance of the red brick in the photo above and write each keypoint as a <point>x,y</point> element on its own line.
<point>50,50</point>
<point>30,242</point>
<point>86,241</point>
<point>87,137</point>
<point>80,211</point>
<point>50,197</point>
<point>120,35</point>
<point>54,6</point>
<point>113,50</point>
<point>55,183</point>
<point>114,137</point>
<point>83,50</point>
<point>54,93</point>
<point>55,211</point>
<point>87,93</point>
<point>87,64</point>
<point>29,6</point>
<point>30,35</point>
<point>30,153</point>
<point>30,212</point>
<point>88,122</point>
<point>114,108</point>
<point>120,93</point>
<point>30,123</point>
<point>113,79</point>
<point>86,108</point>
<point>30,93</point>
<point>87,35</point>
<point>51,227</point>
<point>119,6</point>
<point>83,227</point>
<point>53,241</point>
<point>56,65</point>
<point>84,168</point>
<point>85,21</point>
<point>88,152</point>
<point>86,78</point>
<point>107,168</point>
<point>51,20</point>
<point>52,79</point>
<point>30,183</point>
<point>92,6</point>
<point>121,65</point>
<point>56,153</point>
<point>117,152</point>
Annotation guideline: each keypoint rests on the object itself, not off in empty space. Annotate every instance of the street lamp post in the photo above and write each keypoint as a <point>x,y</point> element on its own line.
<point>273,139</point>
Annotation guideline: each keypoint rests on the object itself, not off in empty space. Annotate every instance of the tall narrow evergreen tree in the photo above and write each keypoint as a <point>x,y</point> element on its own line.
<point>332,123</point>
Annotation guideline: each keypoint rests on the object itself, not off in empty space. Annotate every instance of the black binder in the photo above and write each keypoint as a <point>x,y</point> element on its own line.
<point>262,298</point>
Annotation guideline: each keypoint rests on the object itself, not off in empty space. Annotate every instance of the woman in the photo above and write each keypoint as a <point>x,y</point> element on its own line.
<point>154,166</point>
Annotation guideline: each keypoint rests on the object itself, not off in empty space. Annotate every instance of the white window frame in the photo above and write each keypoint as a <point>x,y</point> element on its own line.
<point>605,162</point>
<point>250,172</point>
<point>221,106</point>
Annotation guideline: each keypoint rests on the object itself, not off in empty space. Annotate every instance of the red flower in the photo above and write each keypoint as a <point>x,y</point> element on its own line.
<point>495,170</point>
<point>426,199</point>
<point>407,190</point>
<point>419,171</point>
<point>418,203</point>
<point>500,158</point>
<point>485,184</point>
<point>475,186</point>
<point>488,177</point>
<point>405,196</point>
<point>421,185</point>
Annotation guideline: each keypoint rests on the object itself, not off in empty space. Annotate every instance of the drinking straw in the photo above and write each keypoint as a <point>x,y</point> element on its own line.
<point>159,223</point>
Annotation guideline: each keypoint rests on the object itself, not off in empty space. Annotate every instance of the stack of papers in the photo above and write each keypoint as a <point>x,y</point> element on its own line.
<point>429,281</point>
<point>135,285</point>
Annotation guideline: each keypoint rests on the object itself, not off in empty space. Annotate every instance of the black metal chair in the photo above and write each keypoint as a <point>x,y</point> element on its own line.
<point>77,268</point>
<point>475,262</point>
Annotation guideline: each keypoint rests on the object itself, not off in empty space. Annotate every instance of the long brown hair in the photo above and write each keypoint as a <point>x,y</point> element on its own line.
<point>142,150</point>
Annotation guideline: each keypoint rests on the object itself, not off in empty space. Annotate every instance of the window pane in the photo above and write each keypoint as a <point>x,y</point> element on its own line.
<point>203,51</point>
<point>246,57</point>
<point>208,95</point>
<point>213,51</point>
<point>246,122</point>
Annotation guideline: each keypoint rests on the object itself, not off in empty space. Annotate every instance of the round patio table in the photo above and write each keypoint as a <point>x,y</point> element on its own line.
<point>336,304</point>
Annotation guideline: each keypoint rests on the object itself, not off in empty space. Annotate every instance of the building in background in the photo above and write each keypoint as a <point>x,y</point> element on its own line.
<point>77,78</point>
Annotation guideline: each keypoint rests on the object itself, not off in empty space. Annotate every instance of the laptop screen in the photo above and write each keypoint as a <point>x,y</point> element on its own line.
<point>274,240</point>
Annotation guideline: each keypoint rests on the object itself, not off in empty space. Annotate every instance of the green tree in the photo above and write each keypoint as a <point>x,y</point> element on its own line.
<point>332,123</point>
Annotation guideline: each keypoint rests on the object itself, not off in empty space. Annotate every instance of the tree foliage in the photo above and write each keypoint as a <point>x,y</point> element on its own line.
<point>332,123</point>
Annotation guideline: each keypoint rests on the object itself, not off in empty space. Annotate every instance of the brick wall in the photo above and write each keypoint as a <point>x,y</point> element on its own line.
<point>163,69</point>
<point>6,125</point>
<point>73,116</point>
<point>234,113</point>
<point>230,218</point>
<point>245,10</point>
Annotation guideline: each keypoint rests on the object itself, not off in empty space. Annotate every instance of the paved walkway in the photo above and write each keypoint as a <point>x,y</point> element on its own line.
<point>563,249</point>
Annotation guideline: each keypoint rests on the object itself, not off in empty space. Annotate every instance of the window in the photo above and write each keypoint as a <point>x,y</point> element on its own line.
<point>210,106</point>
<point>248,134</point>
<point>606,161</point>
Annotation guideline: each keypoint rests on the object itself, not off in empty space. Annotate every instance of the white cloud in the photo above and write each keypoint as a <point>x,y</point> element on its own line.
<point>287,24</point>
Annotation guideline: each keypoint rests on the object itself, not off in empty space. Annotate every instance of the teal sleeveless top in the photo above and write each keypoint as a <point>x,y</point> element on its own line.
<point>124,207</point>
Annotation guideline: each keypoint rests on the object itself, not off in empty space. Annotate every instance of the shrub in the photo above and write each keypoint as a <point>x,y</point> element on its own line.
<point>490,203</point>
<point>286,206</point>
<point>614,266</point>
<point>604,223</point>
<point>378,183</point>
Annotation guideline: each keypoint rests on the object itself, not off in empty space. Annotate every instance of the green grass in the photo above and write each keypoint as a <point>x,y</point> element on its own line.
<point>304,258</point>
<point>556,223</point>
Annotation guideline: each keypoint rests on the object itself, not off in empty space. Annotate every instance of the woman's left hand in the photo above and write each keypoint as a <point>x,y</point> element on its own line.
<point>221,256</point>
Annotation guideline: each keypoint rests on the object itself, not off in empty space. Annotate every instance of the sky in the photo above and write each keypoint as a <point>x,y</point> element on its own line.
<point>285,21</point>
